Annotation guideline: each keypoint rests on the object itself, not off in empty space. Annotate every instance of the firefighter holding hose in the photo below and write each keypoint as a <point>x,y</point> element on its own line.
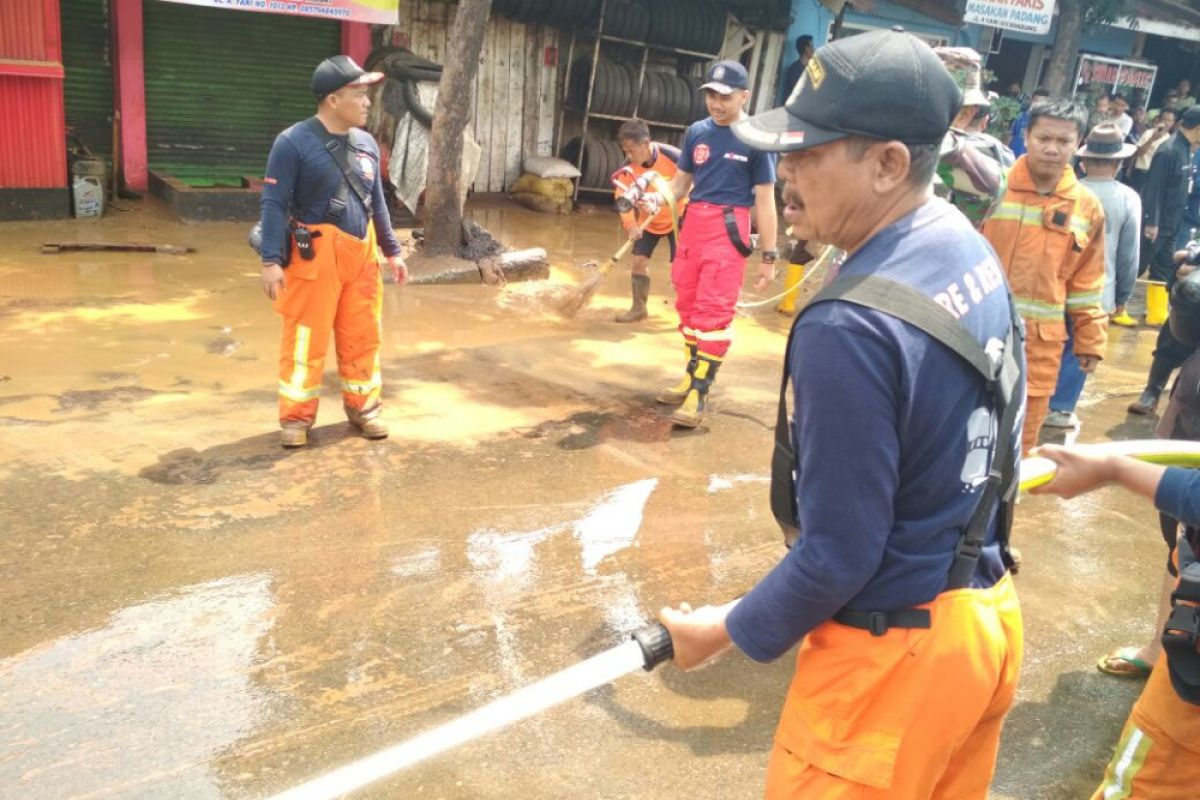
<point>895,472</point>
<point>727,177</point>
<point>646,162</point>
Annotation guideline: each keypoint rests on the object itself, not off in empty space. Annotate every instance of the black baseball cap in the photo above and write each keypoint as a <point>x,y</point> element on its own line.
<point>882,84</point>
<point>726,77</point>
<point>334,73</point>
<point>1190,118</point>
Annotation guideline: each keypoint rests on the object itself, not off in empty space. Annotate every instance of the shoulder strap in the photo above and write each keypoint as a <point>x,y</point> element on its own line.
<point>907,304</point>
<point>338,150</point>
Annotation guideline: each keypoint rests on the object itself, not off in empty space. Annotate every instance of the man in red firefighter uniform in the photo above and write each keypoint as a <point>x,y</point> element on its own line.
<point>1049,234</point>
<point>646,159</point>
<point>323,215</point>
<point>726,177</point>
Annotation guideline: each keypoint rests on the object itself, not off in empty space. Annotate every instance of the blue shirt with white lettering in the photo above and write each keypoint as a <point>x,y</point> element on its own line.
<point>724,169</point>
<point>894,435</point>
<point>302,177</point>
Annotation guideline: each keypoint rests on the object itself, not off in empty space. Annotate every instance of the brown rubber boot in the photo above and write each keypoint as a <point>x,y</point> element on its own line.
<point>640,287</point>
<point>373,428</point>
<point>293,437</point>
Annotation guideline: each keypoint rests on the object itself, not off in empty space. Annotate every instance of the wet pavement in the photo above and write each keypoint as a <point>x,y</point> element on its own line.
<point>187,611</point>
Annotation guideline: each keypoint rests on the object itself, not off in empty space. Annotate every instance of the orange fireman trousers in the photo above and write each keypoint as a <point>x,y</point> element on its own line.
<point>910,715</point>
<point>1158,755</point>
<point>339,291</point>
<point>1037,407</point>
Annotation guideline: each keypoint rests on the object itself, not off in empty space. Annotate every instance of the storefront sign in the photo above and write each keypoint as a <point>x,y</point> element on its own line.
<point>380,12</point>
<point>1026,16</point>
<point>1097,75</point>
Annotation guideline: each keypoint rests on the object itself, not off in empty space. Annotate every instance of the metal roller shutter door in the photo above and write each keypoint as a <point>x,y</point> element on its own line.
<point>87,62</point>
<point>221,84</point>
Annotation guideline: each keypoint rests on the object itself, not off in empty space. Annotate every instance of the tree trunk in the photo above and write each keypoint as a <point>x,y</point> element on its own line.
<point>443,211</point>
<point>1060,71</point>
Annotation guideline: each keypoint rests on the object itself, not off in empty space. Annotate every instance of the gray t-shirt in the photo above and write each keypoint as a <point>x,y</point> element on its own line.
<point>1122,238</point>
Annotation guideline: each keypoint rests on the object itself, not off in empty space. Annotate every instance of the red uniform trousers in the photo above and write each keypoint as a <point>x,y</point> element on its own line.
<point>914,714</point>
<point>339,291</point>
<point>707,273</point>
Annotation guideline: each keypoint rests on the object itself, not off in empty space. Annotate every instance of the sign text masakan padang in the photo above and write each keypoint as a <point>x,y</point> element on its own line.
<point>1026,16</point>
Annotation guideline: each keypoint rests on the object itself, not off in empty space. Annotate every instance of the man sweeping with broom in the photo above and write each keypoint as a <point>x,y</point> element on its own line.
<point>726,178</point>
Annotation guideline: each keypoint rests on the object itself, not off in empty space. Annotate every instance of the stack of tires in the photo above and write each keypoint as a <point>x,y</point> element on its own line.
<point>603,157</point>
<point>555,13</point>
<point>696,25</point>
<point>664,96</point>
<point>667,97</point>
<point>404,70</point>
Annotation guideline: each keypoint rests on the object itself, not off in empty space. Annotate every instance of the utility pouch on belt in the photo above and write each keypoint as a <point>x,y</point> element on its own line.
<point>1002,379</point>
<point>1182,631</point>
<point>735,236</point>
<point>304,240</point>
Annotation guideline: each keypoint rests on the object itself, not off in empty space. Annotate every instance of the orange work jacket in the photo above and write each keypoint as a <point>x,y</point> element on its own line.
<point>1052,249</point>
<point>664,158</point>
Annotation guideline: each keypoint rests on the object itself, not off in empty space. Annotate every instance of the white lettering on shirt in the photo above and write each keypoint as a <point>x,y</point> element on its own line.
<point>980,281</point>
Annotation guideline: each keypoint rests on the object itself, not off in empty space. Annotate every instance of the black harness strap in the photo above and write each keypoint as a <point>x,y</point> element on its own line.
<point>735,236</point>
<point>339,152</point>
<point>1182,632</point>
<point>1002,379</point>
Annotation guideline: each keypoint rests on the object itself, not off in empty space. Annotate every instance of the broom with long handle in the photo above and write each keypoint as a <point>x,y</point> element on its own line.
<point>582,295</point>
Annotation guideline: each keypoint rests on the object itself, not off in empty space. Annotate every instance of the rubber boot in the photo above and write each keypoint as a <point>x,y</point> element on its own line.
<point>690,414</point>
<point>374,428</point>
<point>795,273</point>
<point>1156,304</point>
<point>640,286</point>
<point>673,395</point>
<point>1121,317</point>
<point>293,436</point>
<point>371,427</point>
<point>1156,381</point>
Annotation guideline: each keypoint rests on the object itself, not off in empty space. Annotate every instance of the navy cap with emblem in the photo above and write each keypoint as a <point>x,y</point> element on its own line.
<point>882,84</point>
<point>338,71</point>
<point>726,77</point>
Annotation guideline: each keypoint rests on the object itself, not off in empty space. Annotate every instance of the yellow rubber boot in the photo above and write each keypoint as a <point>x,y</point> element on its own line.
<point>673,395</point>
<point>1156,304</point>
<point>691,412</point>
<point>1121,317</point>
<point>795,273</point>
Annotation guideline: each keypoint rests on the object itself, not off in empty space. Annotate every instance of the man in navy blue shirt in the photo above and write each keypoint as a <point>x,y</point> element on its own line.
<point>901,686</point>
<point>726,177</point>
<point>1158,754</point>
<point>323,212</point>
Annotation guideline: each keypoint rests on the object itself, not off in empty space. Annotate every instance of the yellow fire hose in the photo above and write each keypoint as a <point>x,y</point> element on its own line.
<point>1037,471</point>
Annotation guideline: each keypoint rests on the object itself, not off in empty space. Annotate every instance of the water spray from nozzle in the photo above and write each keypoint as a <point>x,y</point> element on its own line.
<point>655,641</point>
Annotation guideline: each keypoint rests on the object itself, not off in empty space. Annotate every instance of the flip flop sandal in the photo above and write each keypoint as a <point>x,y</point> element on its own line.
<point>1123,663</point>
